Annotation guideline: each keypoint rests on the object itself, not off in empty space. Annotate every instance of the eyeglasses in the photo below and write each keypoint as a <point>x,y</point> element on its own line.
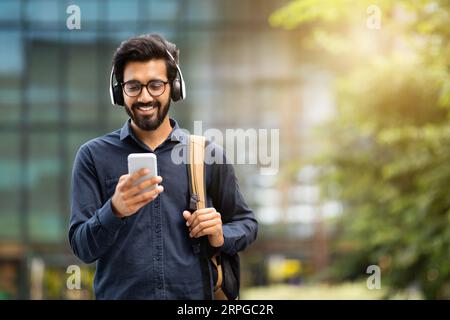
<point>155,88</point>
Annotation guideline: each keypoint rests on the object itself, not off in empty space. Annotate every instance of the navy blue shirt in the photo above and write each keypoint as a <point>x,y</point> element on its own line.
<point>149,254</point>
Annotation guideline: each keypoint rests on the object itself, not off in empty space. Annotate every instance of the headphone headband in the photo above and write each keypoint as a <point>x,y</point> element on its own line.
<point>181,80</point>
<point>111,86</point>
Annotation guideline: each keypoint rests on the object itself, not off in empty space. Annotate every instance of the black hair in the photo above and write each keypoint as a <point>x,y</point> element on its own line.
<point>144,48</point>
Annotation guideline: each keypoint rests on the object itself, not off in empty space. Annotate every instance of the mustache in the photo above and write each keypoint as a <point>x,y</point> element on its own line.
<point>155,104</point>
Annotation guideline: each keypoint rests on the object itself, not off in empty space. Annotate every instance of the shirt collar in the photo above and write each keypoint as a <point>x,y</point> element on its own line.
<point>177,134</point>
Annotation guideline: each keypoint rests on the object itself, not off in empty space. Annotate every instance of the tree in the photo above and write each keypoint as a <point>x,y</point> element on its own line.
<point>388,154</point>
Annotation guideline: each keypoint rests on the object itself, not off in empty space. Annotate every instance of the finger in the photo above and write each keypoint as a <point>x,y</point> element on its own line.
<point>141,186</point>
<point>186,215</point>
<point>135,207</point>
<point>199,213</point>
<point>204,225</point>
<point>146,196</point>
<point>121,181</point>
<point>204,217</point>
<point>205,210</point>
<point>208,231</point>
<point>142,198</point>
<point>133,177</point>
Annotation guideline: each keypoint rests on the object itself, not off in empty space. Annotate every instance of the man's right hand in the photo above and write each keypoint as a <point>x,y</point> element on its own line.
<point>126,201</point>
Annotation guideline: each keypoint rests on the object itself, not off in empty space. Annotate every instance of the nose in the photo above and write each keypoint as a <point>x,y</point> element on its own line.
<point>145,96</point>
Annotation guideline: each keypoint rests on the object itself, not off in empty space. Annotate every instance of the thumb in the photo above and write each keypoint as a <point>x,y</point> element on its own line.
<point>186,214</point>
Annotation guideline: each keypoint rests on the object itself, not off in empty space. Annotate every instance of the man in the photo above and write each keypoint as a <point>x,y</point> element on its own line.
<point>142,243</point>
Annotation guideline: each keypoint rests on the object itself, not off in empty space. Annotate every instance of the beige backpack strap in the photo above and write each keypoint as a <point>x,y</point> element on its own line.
<point>218,284</point>
<point>197,168</point>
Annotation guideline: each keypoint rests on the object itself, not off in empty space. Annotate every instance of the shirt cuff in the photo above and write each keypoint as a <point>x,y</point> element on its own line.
<point>228,243</point>
<point>108,219</point>
<point>211,251</point>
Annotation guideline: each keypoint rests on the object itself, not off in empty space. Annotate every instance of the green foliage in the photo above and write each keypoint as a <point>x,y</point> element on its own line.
<point>388,155</point>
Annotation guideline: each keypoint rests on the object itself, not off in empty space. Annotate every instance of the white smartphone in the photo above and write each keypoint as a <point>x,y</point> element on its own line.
<point>137,161</point>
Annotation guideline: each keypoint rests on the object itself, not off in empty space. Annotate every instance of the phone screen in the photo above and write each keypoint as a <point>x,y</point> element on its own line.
<point>137,161</point>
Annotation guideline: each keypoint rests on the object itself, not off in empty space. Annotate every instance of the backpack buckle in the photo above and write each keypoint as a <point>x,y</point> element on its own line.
<point>193,202</point>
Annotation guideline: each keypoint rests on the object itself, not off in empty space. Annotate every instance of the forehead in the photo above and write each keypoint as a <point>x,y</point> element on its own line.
<point>145,71</point>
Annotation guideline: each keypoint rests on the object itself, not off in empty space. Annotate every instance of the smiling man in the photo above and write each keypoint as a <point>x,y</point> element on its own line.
<point>142,242</point>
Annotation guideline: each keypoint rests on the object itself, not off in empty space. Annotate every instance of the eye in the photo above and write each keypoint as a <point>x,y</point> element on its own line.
<point>133,86</point>
<point>156,85</point>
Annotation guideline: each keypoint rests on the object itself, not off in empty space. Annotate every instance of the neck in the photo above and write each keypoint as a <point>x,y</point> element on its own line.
<point>153,138</point>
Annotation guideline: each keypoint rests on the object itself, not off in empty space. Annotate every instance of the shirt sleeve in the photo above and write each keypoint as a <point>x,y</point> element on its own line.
<point>239,223</point>
<point>93,226</point>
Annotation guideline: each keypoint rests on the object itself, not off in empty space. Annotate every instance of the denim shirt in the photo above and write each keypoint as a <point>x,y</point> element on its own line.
<point>149,254</point>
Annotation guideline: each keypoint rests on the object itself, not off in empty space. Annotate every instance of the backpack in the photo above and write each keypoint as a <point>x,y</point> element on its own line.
<point>221,267</point>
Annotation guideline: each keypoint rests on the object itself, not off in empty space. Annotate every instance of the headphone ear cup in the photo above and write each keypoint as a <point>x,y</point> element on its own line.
<point>118,95</point>
<point>176,90</point>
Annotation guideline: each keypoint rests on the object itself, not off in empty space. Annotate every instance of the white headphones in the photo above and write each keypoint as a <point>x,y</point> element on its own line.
<point>178,89</point>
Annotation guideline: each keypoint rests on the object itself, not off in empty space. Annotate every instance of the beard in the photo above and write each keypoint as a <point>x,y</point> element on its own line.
<point>145,122</point>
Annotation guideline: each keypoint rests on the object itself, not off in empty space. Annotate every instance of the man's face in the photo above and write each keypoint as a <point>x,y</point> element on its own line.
<point>145,110</point>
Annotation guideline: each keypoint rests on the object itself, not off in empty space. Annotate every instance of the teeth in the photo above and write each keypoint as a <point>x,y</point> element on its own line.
<point>146,108</point>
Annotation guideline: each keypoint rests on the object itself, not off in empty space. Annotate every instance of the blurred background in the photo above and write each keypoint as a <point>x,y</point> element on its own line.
<point>360,93</point>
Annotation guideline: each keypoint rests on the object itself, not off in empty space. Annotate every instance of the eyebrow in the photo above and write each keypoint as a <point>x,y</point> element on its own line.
<point>156,79</point>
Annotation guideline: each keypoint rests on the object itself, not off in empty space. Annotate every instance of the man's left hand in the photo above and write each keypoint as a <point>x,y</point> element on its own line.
<point>204,222</point>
